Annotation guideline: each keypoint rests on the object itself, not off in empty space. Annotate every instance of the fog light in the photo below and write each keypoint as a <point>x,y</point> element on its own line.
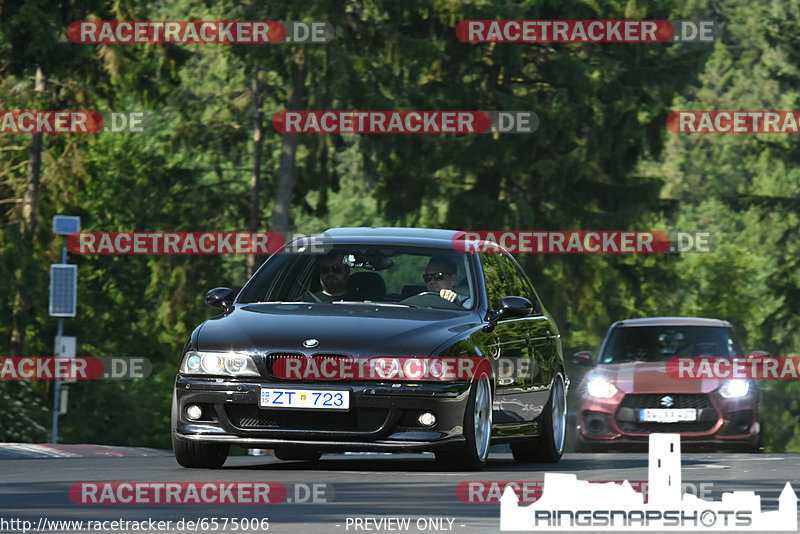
<point>427,419</point>
<point>194,412</point>
<point>595,424</point>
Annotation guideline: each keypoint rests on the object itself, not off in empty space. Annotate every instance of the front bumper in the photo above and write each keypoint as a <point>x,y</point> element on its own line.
<point>382,416</point>
<point>720,422</point>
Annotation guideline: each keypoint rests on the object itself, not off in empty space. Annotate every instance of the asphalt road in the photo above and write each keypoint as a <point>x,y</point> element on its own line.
<point>35,486</point>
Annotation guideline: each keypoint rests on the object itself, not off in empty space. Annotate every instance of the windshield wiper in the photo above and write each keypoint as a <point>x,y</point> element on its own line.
<point>370,303</point>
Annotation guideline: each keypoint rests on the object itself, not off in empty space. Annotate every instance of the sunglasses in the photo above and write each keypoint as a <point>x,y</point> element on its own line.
<point>435,276</point>
<point>335,269</point>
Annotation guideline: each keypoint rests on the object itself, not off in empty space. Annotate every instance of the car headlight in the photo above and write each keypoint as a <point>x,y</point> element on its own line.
<point>218,363</point>
<point>601,388</point>
<point>734,388</point>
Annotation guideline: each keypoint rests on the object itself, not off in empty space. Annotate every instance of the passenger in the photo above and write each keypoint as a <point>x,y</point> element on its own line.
<point>333,276</point>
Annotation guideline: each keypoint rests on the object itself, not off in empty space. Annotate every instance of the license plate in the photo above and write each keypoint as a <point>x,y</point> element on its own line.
<point>312,399</point>
<point>658,415</point>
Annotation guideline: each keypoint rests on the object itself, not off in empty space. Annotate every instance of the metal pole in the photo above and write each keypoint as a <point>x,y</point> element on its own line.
<point>57,384</point>
<point>56,388</point>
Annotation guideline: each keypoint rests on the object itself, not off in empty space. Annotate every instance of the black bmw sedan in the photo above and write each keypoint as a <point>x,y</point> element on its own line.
<point>389,339</point>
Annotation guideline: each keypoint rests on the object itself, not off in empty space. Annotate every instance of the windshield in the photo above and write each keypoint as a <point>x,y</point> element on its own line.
<point>660,343</point>
<point>390,274</point>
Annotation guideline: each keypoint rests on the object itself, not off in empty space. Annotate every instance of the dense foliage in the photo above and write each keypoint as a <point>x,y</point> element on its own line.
<point>601,159</point>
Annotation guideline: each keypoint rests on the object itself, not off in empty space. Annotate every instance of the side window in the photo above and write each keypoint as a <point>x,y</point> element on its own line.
<point>515,285</point>
<point>531,293</point>
<point>493,277</point>
<point>519,284</point>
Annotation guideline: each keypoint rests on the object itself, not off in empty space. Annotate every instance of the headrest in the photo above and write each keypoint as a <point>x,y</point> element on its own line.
<point>366,286</point>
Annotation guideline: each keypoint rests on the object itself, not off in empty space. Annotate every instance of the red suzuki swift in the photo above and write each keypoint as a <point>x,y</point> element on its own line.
<point>628,395</point>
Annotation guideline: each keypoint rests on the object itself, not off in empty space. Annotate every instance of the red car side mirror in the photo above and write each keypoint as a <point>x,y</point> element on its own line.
<point>583,357</point>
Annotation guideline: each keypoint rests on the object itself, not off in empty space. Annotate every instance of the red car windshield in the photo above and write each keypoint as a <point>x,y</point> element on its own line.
<point>660,343</point>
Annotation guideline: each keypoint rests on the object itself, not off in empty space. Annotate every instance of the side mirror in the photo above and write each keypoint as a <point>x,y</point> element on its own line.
<point>510,307</point>
<point>513,307</point>
<point>583,357</point>
<point>220,297</point>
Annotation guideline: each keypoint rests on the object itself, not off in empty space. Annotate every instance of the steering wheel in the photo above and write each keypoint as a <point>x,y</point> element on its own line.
<point>431,299</point>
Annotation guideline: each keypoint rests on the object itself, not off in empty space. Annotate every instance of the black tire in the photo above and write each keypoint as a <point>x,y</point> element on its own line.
<point>204,455</point>
<point>473,454</point>
<point>549,446</point>
<point>289,454</point>
<point>190,454</point>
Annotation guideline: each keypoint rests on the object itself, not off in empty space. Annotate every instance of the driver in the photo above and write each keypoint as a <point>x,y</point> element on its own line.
<point>441,276</point>
<point>333,276</point>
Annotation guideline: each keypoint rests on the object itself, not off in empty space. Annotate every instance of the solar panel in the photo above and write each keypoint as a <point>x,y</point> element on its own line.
<point>63,290</point>
<point>66,224</point>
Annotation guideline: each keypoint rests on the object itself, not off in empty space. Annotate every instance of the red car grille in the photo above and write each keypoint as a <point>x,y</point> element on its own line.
<point>627,415</point>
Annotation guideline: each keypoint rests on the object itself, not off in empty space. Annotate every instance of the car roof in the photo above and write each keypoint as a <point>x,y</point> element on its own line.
<point>671,321</point>
<point>430,237</point>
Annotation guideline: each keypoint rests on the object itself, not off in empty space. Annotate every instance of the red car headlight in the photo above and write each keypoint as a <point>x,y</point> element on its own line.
<point>734,388</point>
<point>601,388</point>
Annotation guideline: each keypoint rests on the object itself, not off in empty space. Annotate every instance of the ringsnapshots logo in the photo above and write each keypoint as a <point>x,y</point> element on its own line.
<point>569,504</point>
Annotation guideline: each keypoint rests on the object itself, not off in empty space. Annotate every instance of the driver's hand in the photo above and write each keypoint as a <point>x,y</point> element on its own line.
<point>448,295</point>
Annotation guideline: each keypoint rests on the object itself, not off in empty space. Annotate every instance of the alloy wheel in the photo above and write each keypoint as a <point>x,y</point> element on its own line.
<point>559,407</point>
<point>483,418</point>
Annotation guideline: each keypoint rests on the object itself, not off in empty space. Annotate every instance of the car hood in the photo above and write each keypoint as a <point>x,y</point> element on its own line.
<point>355,329</point>
<point>650,377</point>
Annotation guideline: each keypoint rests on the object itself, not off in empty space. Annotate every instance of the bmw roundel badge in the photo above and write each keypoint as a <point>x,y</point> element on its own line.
<point>310,343</point>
